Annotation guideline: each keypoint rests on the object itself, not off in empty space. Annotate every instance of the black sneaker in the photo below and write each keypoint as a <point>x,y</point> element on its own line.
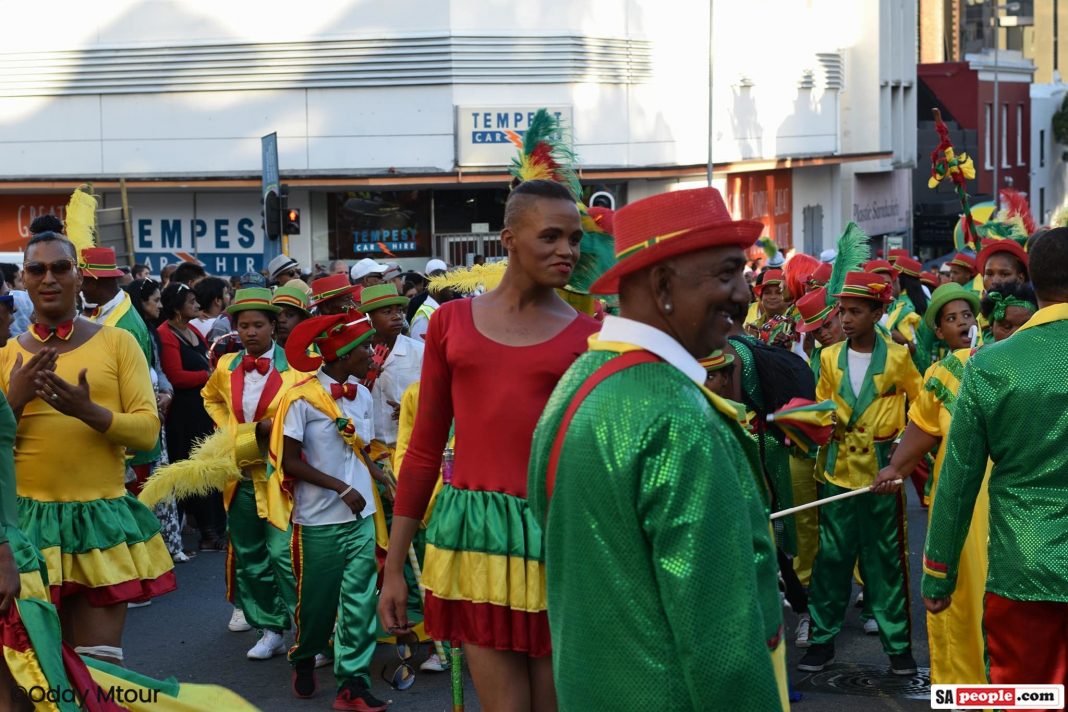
<point>817,657</point>
<point>304,684</point>
<point>354,695</point>
<point>903,664</point>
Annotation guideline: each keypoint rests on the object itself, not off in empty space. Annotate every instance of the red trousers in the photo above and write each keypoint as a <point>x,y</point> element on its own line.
<point>1026,641</point>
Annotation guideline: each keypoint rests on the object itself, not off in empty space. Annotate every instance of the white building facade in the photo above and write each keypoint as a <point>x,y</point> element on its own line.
<point>393,119</point>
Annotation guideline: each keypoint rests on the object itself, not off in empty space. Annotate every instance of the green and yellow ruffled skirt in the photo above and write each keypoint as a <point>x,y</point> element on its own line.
<point>109,550</point>
<point>485,572</point>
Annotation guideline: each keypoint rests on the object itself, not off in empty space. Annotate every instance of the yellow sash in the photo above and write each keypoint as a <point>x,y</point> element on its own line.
<point>316,396</point>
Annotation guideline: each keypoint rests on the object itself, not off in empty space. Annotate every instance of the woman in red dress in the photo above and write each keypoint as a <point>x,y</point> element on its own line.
<point>491,363</point>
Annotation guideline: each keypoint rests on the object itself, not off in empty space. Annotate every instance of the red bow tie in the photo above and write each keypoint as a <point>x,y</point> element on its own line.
<point>262,365</point>
<point>43,332</point>
<point>342,390</point>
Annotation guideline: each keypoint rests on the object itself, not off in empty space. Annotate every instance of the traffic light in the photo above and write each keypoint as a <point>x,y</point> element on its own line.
<point>291,221</point>
<point>272,216</point>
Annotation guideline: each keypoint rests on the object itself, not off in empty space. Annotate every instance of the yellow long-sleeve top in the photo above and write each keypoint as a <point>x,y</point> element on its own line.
<point>219,402</point>
<point>869,421</point>
<point>61,459</point>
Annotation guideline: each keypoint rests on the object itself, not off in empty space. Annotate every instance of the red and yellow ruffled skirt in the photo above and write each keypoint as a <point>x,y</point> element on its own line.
<point>485,573</point>
<point>109,550</point>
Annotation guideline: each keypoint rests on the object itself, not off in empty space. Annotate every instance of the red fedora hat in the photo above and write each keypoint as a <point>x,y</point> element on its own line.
<point>99,262</point>
<point>326,288</point>
<point>671,224</point>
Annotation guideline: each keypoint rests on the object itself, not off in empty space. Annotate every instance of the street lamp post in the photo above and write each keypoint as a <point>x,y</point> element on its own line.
<point>998,22</point>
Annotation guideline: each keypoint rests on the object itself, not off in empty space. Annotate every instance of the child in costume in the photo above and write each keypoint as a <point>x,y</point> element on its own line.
<point>1007,308</point>
<point>720,369</point>
<point>956,639</point>
<point>294,307</point>
<point>243,393</point>
<point>1005,386</point>
<point>318,445</point>
<point>869,379</point>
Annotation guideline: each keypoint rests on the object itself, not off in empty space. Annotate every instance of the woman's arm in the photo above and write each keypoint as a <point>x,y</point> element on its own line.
<point>171,357</point>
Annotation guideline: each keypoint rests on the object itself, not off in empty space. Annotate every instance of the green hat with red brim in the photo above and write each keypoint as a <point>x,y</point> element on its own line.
<point>379,296</point>
<point>253,298</point>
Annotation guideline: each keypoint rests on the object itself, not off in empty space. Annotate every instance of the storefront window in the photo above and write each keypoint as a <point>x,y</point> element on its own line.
<point>379,224</point>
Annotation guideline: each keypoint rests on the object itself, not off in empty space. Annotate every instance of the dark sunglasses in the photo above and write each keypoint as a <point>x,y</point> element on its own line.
<point>8,302</point>
<point>57,268</point>
<point>403,676</point>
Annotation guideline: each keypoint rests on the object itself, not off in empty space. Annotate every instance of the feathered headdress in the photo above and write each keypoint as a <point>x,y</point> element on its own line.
<point>797,270</point>
<point>80,220</point>
<point>853,251</point>
<point>1013,222</point>
<point>544,155</point>
<point>770,247</point>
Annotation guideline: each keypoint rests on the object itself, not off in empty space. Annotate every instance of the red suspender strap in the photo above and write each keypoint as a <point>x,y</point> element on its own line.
<point>613,366</point>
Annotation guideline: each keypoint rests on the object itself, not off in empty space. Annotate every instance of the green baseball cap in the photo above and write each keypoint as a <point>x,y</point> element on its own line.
<point>948,292</point>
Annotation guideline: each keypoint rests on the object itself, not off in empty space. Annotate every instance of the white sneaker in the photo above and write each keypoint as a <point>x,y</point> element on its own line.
<point>804,626</point>
<point>871,627</point>
<point>238,624</point>
<point>267,647</point>
<point>142,604</point>
<point>322,660</point>
<point>859,601</point>
<point>434,664</point>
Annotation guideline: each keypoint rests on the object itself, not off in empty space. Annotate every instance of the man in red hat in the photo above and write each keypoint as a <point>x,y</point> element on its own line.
<point>868,378</point>
<point>623,518</point>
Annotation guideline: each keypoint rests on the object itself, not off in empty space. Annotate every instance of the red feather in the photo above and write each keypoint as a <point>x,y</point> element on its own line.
<point>1016,204</point>
<point>797,269</point>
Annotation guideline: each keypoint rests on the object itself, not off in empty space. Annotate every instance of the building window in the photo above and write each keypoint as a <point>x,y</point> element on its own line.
<point>988,140</point>
<point>1042,204</point>
<point>1019,136</point>
<point>1042,148</point>
<point>812,224</point>
<point>1005,136</point>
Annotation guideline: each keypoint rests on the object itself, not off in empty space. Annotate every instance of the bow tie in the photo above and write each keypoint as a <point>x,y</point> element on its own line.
<point>261,365</point>
<point>342,390</point>
<point>43,332</point>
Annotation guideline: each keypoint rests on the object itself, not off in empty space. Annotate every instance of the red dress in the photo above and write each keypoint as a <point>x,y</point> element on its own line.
<point>484,569</point>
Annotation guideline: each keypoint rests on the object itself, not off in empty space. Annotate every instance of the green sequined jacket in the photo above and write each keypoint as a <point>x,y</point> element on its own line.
<point>660,570</point>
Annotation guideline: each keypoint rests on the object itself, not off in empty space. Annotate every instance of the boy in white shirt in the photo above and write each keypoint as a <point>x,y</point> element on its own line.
<point>318,444</point>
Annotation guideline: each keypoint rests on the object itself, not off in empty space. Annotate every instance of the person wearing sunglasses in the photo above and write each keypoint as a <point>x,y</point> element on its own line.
<point>83,395</point>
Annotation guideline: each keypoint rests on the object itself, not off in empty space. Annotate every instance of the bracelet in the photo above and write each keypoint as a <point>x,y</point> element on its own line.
<point>344,492</point>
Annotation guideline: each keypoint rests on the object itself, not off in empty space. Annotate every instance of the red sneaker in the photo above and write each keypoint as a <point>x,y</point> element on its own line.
<point>304,682</point>
<point>354,695</point>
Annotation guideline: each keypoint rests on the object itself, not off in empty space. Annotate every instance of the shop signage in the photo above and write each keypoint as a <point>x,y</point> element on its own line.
<point>490,135</point>
<point>881,201</point>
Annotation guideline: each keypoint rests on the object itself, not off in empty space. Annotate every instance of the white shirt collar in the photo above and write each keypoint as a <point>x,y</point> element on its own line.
<point>628,331</point>
<point>110,305</point>
<point>326,379</point>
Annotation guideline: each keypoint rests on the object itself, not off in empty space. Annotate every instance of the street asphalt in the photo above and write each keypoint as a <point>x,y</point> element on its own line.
<point>184,634</point>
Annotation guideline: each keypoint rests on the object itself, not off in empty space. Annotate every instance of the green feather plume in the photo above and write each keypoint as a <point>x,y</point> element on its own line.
<point>853,251</point>
<point>546,155</point>
<point>597,255</point>
<point>770,247</point>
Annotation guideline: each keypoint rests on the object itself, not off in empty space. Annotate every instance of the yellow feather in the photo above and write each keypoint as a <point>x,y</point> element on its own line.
<point>468,280</point>
<point>80,221</point>
<point>1060,218</point>
<point>210,467</point>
